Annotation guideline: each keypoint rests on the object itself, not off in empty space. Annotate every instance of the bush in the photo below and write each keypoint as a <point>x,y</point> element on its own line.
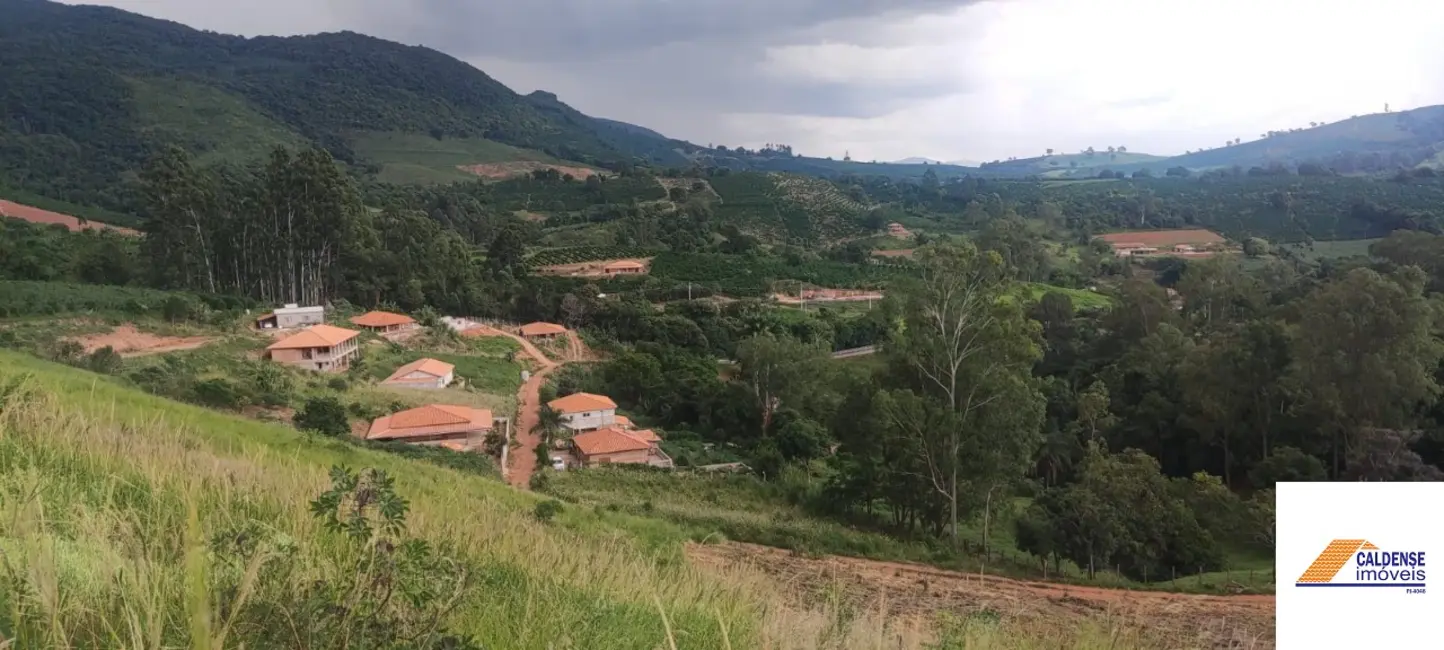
<point>547,510</point>
<point>104,361</point>
<point>323,415</point>
<point>338,384</point>
<point>218,393</point>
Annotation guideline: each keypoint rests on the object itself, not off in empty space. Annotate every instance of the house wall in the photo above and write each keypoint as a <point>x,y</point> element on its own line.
<point>589,420</point>
<point>337,358</point>
<point>640,456</point>
<point>420,379</point>
<point>288,319</point>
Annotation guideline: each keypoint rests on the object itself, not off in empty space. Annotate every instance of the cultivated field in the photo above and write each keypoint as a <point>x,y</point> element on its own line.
<point>593,269</point>
<point>1162,238</point>
<point>505,170</point>
<point>15,210</point>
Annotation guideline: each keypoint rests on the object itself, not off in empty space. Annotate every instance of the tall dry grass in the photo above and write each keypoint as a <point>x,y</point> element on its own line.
<point>112,503</point>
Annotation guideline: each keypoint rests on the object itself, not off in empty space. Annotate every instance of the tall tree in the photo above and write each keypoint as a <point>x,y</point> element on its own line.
<point>965,355</point>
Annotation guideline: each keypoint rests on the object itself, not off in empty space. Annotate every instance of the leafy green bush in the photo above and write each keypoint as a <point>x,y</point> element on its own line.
<point>547,510</point>
<point>323,415</point>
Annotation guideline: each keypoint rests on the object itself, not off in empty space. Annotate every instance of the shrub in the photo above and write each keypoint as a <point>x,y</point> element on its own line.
<point>218,393</point>
<point>338,384</point>
<point>323,415</point>
<point>547,510</point>
<point>104,361</point>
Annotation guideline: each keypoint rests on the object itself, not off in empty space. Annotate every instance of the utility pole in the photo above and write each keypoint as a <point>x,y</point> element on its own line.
<point>689,292</point>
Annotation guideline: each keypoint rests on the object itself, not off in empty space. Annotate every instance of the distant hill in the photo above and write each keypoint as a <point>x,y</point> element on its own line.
<point>1365,143</point>
<point>88,93</point>
<point>917,161</point>
<point>1084,163</point>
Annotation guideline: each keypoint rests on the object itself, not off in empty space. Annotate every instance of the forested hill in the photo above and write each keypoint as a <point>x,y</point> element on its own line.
<point>87,93</point>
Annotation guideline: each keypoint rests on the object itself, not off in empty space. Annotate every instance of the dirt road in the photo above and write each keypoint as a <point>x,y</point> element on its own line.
<point>528,406</point>
<point>915,590</point>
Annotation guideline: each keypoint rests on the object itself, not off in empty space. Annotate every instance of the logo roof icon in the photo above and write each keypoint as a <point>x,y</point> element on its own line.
<point>1333,558</point>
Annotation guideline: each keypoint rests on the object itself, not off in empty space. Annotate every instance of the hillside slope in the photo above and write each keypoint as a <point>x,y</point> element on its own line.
<point>90,92</point>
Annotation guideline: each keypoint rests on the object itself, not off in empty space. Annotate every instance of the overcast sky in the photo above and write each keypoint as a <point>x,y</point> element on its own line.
<point>887,79</point>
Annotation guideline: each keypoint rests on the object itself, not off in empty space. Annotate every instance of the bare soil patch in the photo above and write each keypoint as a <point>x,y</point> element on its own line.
<point>922,593</point>
<point>1158,238</point>
<point>902,252</point>
<point>502,171</point>
<point>131,342</point>
<point>595,268</point>
<point>828,295</point>
<point>36,215</point>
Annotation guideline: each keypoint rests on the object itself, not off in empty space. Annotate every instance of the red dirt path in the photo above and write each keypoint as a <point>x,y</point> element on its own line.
<point>922,592</point>
<point>36,215</point>
<point>528,407</point>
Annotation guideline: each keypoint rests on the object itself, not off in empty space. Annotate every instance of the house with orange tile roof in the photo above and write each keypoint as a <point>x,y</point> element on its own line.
<point>422,373</point>
<point>542,330</point>
<point>624,267</point>
<point>320,347</point>
<point>458,428</point>
<point>585,411</point>
<point>611,445</point>
<point>382,322</point>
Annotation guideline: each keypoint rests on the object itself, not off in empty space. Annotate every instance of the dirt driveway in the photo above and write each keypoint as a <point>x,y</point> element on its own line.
<point>923,592</point>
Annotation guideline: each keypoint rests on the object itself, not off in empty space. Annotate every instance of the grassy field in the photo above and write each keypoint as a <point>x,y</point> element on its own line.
<point>1082,298</point>
<point>219,126</point>
<point>417,158</point>
<point>1333,249</point>
<point>740,507</point>
<point>134,521</point>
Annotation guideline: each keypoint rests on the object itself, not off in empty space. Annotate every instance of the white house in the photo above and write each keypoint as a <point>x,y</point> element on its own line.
<point>292,315</point>
<point>585,411</point>
<point>422,373</point>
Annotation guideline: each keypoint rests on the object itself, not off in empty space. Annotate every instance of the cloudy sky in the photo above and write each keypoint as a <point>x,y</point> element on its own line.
<point>887,79</point>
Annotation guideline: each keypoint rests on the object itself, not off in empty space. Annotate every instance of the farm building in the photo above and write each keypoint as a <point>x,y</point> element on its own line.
<point>542,330</point>
<point>384,321</point>
<point>624,267</point>
<point>422,373</point>
<point>611,445</point>
<point>319,347</point>
<point>1192,242</point>
<point>459,428</point>
<point>292,315</point>
<point>585,411</point>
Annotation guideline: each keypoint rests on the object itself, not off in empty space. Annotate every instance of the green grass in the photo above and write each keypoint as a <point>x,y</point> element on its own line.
<point>217,126</point>
<point>1082,298</point>
<point>1333,249</point>
<point>487,373</point>
<point>407,158</point>
<point>701,506</point>
<point>96,480</point>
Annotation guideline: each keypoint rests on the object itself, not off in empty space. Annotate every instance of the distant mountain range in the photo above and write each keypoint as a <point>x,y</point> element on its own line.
<point>89,93</point>
<point>930,161</point>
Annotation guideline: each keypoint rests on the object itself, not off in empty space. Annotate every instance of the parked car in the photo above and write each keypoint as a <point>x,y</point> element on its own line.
<point>558,464</point>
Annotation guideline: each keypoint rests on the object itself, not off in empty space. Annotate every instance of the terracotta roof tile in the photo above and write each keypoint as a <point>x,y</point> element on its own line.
<point>623,422</point>
<point>382,319</point>
<point>542,329</point>
<point>608,441</point>
<point>581,403</point>
<point>430,420</point>
<point>315,336</point>
<point>429,366</point>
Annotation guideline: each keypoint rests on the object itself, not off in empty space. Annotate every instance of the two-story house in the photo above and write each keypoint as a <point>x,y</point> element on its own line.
<point>320,347</point>
<point>585,411</point>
